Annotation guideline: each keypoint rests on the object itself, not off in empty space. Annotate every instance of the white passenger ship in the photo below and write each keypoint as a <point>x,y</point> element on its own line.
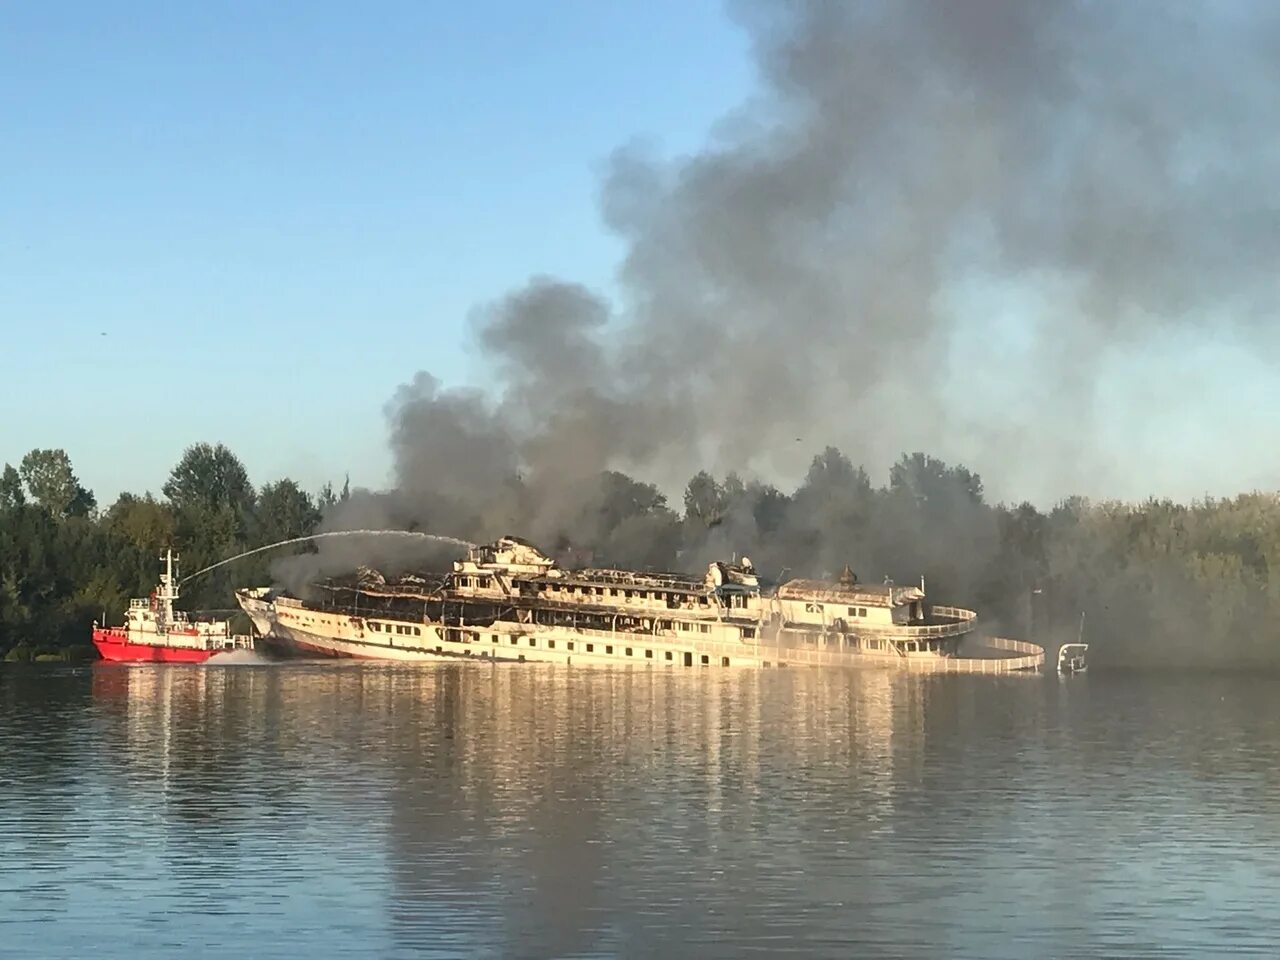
<point>507,601</point>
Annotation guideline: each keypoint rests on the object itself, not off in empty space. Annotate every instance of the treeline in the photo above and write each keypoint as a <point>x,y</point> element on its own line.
<point>65,562</point>
<point>1159,583</point>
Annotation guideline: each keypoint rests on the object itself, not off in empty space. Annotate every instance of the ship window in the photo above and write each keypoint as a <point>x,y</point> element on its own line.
<point>669,655</point>
<point>706,661</point>
<point>608,649</point>
<point>591,648</point>
<point>648,654</point>
<point>704,628</point>
<point>533,641</point>
<point>724,661</point>
<point>569,644</point>
<point>551,644</point>
<point>812,608</point>
<point>417,631</point>
<point>748,633</point>
<point>514,641</point>
<point>494,638</point>
<point>628,651</point>
<point>862,611</point>
<point>613,591</point>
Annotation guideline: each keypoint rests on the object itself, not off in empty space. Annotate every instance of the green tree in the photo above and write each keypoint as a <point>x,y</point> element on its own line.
<point>53,484</point>
<point>213,503</point>
<point>142,522</point>
<point>11,494</point>
<point>704,500</point>
<point>327,499</point>
<point>285,511</point>
<point>931,481</point>
<point>209,477</point>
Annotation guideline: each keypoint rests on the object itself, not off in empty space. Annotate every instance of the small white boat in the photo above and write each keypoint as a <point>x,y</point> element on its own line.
<point>1073,657</point>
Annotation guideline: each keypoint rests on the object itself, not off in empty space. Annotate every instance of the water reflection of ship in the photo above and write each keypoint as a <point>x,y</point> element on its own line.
<point>177,733</point>
<point>540,812</point>
<point>582,789</point>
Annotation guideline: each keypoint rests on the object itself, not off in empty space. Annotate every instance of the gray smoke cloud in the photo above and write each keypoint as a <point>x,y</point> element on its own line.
<point>838,264</point>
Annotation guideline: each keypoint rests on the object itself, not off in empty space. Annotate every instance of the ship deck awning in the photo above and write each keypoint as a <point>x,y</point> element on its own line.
<point>856,594</point>
<point>643,583</point>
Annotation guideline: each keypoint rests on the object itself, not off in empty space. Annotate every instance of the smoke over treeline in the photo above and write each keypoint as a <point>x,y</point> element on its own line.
<point>819,276</point>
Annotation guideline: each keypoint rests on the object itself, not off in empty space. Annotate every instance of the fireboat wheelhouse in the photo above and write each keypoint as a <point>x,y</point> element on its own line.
<point>154,632</point>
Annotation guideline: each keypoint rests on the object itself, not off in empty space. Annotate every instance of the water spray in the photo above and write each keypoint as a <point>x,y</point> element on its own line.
<point>453,541</point>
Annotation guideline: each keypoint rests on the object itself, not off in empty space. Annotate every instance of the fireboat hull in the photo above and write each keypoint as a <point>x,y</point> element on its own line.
<point>117,647</point>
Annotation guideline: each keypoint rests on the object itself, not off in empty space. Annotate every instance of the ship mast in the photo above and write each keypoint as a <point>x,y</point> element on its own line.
<point>168,591</point>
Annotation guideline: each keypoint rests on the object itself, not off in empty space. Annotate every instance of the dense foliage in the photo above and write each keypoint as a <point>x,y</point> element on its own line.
<point>65,563</point>
<point>1159,582</point>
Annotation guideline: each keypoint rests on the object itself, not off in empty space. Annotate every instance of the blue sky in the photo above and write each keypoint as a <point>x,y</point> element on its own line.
<point>277,213</point>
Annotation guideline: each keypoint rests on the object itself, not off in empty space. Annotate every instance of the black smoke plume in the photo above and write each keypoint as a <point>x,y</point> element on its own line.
<point>825,272</point>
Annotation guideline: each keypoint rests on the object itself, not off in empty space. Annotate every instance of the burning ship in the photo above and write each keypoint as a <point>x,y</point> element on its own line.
<point>508,601</point>
<point>154,632</point>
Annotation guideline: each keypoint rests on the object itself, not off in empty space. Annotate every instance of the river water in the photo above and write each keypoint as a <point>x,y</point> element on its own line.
<point>340,810</point>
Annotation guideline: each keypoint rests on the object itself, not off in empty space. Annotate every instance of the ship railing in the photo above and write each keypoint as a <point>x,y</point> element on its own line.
<point>238,641</point>
<point>625,578</point>
<point>962,621</point>
<point>1029,657</point>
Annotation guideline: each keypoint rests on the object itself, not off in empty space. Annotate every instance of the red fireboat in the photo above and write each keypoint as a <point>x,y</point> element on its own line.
<point>153,632</point>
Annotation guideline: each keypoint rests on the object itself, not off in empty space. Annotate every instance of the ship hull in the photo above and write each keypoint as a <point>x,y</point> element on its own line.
<point>307,632</point>
<point>117,647</point>
<point>301,644</point>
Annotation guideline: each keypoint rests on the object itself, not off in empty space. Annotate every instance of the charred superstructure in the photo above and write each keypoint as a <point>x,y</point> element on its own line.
<point>508,601</point>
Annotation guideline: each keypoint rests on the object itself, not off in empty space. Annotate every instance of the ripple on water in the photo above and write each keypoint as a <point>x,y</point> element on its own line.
<point>335,809</point>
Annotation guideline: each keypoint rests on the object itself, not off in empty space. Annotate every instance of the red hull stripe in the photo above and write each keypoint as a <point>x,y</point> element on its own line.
<point>115,646</point>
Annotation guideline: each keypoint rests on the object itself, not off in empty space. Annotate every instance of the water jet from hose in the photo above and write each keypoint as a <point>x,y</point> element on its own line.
<point>454,541</point>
